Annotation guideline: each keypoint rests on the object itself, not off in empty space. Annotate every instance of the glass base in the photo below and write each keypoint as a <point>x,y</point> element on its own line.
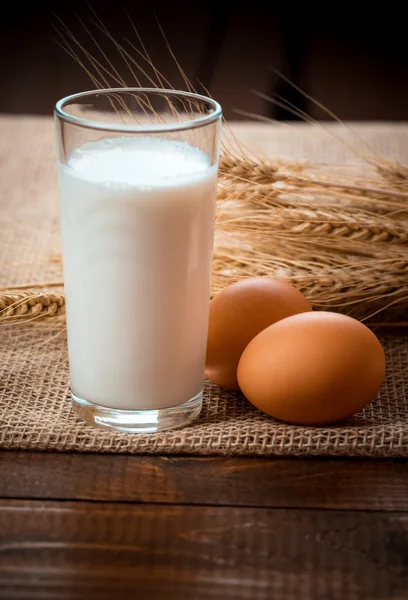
<point>138,421</point>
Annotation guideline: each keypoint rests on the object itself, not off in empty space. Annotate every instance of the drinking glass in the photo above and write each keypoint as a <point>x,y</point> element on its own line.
<point>137,185</point>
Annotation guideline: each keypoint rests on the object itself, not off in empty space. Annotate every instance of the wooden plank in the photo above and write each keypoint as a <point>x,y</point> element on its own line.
<point>334,484</point>
<point>72,550</point>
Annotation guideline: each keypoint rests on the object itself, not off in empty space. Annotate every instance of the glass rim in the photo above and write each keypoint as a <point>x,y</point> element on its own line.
<point>127,128</point>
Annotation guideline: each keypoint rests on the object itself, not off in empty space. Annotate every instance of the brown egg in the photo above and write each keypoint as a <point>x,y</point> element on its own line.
<point>312,369</point>
<point>237,314</point>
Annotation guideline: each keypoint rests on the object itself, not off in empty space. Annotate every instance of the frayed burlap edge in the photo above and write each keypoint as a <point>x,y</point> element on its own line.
<point>36,414</point>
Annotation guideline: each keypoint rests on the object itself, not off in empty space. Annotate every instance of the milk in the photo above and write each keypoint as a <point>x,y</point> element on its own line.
<point>137,220</point>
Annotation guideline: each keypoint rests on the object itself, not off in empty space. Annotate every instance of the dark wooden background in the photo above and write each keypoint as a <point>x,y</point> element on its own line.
<point>97,527</point>
<point>354,61</point>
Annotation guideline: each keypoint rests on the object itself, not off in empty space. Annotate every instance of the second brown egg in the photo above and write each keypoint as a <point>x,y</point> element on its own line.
<point>237,314</point>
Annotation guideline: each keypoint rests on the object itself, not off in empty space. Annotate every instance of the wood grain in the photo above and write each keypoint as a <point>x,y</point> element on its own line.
<point>86,550</point>
<point>333,484</point>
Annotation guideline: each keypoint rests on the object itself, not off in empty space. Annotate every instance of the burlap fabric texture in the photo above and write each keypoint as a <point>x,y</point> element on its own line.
<point>35,409</point>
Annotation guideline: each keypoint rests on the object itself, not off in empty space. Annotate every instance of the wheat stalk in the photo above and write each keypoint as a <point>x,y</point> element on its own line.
<point>339,236</point>
<point>341,255</point>
<point>28,306</point>
<point>238,210</point>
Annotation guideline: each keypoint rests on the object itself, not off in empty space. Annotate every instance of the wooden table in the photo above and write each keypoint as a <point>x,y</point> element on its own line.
<point>116,526</point>
<point>103,526</point>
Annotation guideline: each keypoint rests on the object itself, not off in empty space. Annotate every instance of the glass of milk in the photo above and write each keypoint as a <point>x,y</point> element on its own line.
<point>137,183</point>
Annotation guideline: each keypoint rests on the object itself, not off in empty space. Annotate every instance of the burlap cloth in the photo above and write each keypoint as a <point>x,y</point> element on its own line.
<point>35,411</point>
